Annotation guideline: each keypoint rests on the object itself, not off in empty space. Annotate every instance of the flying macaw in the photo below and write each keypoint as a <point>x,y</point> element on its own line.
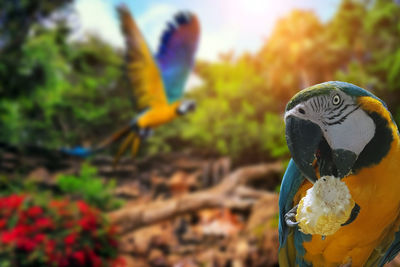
<point>341,130</point>
<point>157,81</point>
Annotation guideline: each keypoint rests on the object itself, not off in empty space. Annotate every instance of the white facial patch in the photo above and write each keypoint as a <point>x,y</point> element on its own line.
<point>353,134</point>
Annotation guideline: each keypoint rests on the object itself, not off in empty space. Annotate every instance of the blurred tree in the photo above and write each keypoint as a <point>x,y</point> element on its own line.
<point>53,91</point>
<point>235,112</point>
<point>80,98</point>
<point>291,56</point>
<point>20,20</point>
<point>382,25</point>
<point>372,29</point>
<point>96,98</point>
<point>348,38</point>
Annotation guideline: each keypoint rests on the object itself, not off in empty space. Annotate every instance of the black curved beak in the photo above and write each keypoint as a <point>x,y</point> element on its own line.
<point>344,161</point>
<point>192,106</point>
<point>312,153</point>
<point>303,138</point>
<point>186,106</point>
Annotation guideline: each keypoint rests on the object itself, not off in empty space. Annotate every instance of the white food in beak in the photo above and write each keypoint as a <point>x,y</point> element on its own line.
<point>326,206</point>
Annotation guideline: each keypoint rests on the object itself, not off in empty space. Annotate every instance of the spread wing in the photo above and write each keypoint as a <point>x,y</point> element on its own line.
<point>291,250</point>
<point>176,53</point>
<point>142,70</point>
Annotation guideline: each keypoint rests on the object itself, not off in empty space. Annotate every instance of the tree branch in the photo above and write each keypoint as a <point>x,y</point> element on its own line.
<point>231,192</point>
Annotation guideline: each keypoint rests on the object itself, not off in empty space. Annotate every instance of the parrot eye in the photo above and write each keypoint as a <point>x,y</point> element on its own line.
<point>336,100</point>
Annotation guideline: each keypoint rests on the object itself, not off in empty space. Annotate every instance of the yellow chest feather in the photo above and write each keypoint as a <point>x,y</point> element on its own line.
<point>377,191</point>
<point>157,116</point>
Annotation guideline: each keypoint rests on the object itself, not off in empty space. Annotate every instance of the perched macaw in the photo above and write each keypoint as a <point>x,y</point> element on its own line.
<point>157,81</point>
<point>341,130</point>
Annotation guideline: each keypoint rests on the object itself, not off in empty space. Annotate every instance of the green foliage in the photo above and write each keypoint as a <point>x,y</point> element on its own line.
<point>56,92</point>
<point>235,112</point>
<point>89,187</point>
<point>273,134</point>
<point>74,102</point>
<point>291,58</point>
<point>375,63</point>
<point>20,185</point>
<point>21,21</point>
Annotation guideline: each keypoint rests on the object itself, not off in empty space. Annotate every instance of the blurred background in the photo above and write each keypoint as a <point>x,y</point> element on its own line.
<point>62,84</point>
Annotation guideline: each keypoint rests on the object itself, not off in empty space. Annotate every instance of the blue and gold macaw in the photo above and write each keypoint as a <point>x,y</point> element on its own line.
<point>339,129</point>
<point>157,81</point>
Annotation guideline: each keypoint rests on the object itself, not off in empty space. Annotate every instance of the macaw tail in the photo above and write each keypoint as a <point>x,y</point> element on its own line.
<point>78,151</point>
<point>84,152</point>
<point>114,137</point>
<point>132,140</point>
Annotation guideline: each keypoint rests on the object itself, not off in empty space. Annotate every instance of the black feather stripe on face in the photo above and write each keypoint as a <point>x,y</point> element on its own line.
<point>343,116</point>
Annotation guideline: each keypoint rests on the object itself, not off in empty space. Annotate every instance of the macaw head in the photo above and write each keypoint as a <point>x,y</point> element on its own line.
<point>336,128</point>
<point>186,106</point>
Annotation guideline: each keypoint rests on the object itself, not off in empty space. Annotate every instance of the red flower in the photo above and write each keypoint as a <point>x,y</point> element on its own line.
<point>9,236</point>
<point>70,239</point>
<point>44,223</point>
<point>34,211</point>
<point>13,201</point>
<point>36,232</point>
<point>3,223</point>
<point>22,218</point>
<point>39,237</point>
<point>49,247</point>
<point>94,259</point>
<point>83,207</point>
<point>88,223</point>
<point>25,243</point>
<point>79,256</point>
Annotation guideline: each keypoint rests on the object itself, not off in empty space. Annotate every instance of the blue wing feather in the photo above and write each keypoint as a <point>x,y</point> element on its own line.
<point>393,250</point>
<point>290,254</point>
<point>292,179</point>
<point>175,55</point>
<point>78,151</point>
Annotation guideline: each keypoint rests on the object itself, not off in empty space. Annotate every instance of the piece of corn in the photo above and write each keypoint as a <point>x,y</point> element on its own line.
<point>326,206</point>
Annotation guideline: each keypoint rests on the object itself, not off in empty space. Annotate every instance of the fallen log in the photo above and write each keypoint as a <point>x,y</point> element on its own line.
<point>231,192</point>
